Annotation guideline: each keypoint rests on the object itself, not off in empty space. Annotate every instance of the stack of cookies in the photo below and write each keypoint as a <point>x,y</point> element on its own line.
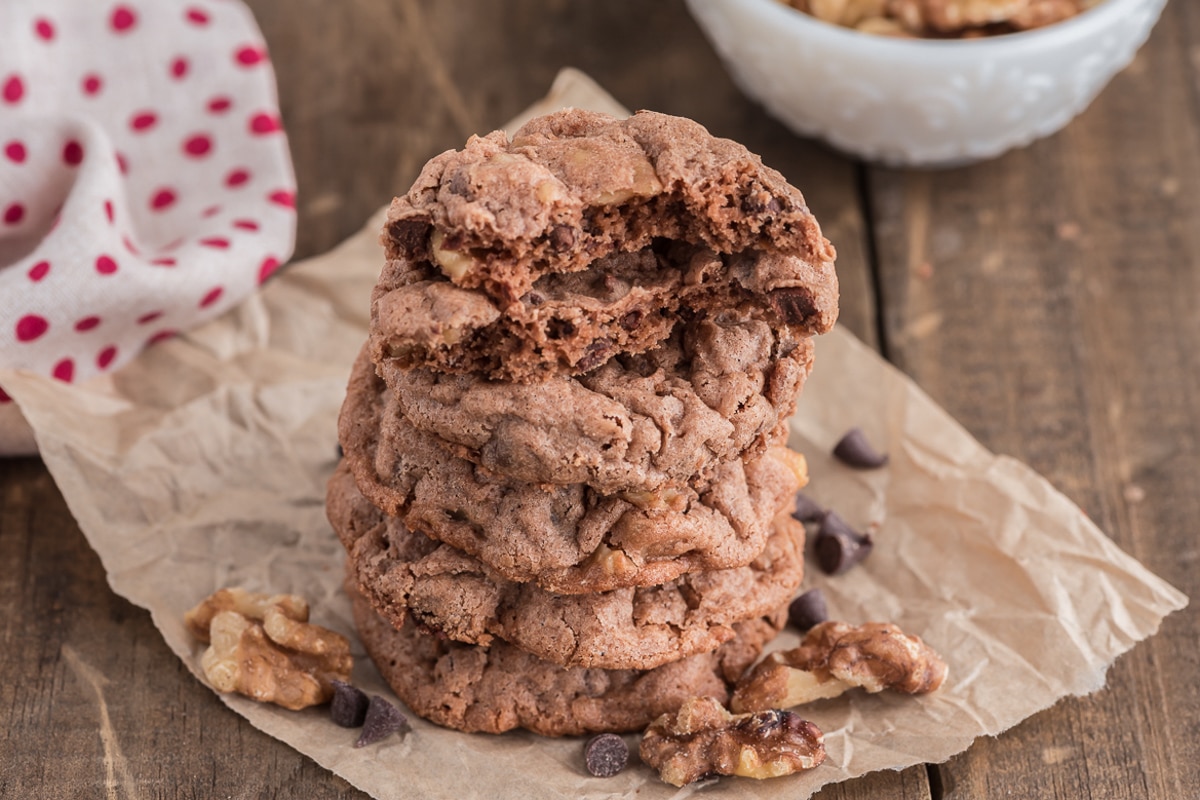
<point>566,491</point>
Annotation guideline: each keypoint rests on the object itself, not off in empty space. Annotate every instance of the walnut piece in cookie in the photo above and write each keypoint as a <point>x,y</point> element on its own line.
<point>262,646</point>
<point>704,740</point>
<point>835,657</point>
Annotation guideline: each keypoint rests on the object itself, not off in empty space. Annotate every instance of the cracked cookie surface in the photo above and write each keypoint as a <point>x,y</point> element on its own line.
<point>570,538</point>
<point>501,688</point>
<point>406,574</point>
<point>719,388</point>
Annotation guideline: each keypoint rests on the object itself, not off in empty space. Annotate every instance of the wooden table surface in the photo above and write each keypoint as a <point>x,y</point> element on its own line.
<point>1049,299</point>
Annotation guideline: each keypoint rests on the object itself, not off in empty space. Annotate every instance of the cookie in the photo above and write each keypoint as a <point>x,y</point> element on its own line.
<point>408,574</point>
<point>501,688</point>
<point>568,539</point>
<point>718,389</point>
<point>586,236</point>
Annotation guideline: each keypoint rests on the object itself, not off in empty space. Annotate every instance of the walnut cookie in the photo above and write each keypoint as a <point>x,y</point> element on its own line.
<point>586,236</point>
<point>568,539</point>
<point>407,574</point>
<point>501,688</point>
<point>719,388</point>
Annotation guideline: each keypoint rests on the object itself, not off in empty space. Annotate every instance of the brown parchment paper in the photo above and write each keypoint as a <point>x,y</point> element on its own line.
<point>203,465</point>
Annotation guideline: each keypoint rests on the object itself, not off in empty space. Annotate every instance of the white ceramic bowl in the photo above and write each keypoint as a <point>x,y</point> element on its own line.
<point>921,102</point>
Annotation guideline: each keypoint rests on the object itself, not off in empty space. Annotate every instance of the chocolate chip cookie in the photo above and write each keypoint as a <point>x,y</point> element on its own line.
<point>500,688</point>
<point>717,389</point>
<point>586,236</point>
<point>408,574</point>
<point>569,539</point>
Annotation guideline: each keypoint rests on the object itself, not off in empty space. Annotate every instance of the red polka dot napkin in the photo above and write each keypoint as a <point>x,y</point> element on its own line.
<point>145,181</point>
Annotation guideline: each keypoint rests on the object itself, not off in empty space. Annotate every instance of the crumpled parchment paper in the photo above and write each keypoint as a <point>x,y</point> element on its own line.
<point>203,463</point>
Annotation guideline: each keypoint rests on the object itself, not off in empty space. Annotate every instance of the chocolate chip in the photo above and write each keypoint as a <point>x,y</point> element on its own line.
<point>632,319</point>
<point>755,205</point>
<point>808,610</point>
<point>605,755</point>
<point>382,720</point>
<point>562,237</point>
<point>349,706</point>
<point>411,236</point>
<point>807,509</point>
<point>794,305</point>
<point>596,354</point>
<point>838,546</point>
<point>460,185</point>
<point>341,451</point>
<point>854,450</point>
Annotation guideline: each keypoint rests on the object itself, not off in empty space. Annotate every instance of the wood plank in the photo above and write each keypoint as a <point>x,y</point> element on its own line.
<point>1059,324</point>
<point>88,679</point>
<point>910,783</point>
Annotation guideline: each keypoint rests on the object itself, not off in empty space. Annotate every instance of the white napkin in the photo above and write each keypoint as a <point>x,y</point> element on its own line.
<point>145,180</point>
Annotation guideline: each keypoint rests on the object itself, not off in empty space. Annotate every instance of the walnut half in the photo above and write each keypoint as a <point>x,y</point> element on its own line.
<point>835,657</point>
<point>704,740</point>
<point>262,646</point>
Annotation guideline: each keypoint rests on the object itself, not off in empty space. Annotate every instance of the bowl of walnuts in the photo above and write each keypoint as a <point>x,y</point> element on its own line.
<point>925,82</point>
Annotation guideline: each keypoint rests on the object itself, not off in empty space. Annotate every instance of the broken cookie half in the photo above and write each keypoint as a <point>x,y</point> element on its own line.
<point>585,236</point>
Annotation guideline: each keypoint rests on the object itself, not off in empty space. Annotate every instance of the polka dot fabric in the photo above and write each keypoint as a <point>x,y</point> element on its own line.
<point>145,181</point>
